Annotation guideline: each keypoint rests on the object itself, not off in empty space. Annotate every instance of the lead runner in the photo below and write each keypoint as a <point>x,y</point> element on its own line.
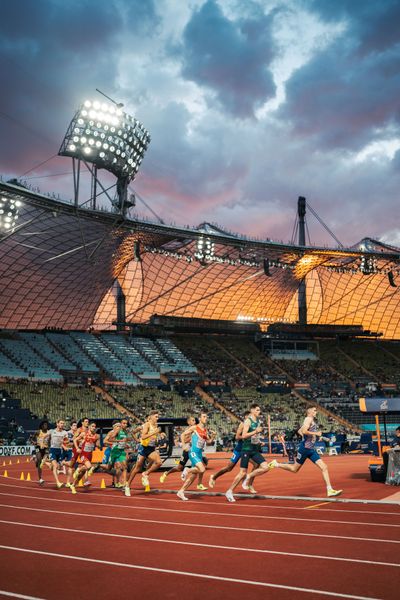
<point>310,432</point>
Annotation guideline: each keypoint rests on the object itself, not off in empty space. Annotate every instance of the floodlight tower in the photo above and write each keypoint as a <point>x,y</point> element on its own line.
<point>102,136</point>
<point>302,298</point>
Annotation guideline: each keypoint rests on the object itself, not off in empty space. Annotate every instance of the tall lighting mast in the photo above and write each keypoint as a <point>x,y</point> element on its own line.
<point>302,298</point>
<point>102,136</point>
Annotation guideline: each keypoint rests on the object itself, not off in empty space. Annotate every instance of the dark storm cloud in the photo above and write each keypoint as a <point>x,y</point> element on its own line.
<point>374,23</point>
<point>230,57</point>
<point>349,91</point>
<point>342,103</point>
<point>52,53</point>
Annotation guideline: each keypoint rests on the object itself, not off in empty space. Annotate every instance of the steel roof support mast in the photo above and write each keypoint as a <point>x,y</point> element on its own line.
<point>302,297</point>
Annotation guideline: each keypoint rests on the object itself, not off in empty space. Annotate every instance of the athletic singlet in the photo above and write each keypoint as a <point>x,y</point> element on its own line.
<point>89,442</point>
<point>41,440</point>
<point>309,440</point>
<point>57,438</point>
<point>199,438</point>
<point>68,440</point>
<point>78,433</point>
<point>120,439</point>
<point>253,442</point>
<point>152,440</point>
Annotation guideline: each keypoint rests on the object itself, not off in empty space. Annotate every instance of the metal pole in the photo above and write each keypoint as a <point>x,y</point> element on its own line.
<point>76,171</point>
<point>302,299</point>
<point>378,432</point>
<point>269,434</point>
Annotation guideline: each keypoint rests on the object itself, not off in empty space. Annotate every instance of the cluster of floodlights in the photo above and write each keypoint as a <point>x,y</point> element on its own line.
<point>204,249</point>
<point>101,133</point>
<point>9,209</point>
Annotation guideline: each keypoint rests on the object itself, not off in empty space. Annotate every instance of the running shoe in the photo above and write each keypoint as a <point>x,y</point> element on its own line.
<point>147,488</point>
<point>252,490</point>
<point>182,496</point>
<point>211,481</point>
<point>184,473</point>
<point>245,484</point>
<point>68,485</point>
<point>60,485</point>
<point>145,480</point>
<point>72,488</point>
<point>41,481</point>
<point>119,485</point>
<point>201,487</point>
<point>229,496</point>
<point>163,477</point>
<point>273,464</point>
<point>331,492</point>
<point>86,484</point>
<point>127,491</point>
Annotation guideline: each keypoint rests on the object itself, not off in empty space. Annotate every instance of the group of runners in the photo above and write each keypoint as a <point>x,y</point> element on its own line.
<point>129,451</point>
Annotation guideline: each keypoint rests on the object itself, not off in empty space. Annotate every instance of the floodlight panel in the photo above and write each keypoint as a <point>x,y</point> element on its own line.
<point>9,213</point>
<point>106,136</point>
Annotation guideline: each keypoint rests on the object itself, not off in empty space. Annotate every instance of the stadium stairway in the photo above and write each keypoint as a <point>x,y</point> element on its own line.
<point>112,402</point>
<point>356,363</point>
<point>300,396</point>
<point>205,396</point>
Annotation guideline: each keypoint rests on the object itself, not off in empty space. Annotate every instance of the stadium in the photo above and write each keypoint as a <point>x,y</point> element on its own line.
<point>190,410</point>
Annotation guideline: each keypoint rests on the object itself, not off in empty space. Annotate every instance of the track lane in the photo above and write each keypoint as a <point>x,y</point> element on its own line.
<point>286,571</point>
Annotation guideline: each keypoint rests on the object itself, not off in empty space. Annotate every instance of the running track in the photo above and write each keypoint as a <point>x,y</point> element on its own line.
<point>53,544</point>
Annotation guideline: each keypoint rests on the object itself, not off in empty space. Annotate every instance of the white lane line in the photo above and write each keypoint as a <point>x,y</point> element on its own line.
<point>312,520</point>
<point>188,574</point>
<point>198,545</point>
<point>201,526</point>
<point>15,595</point>
<point>143,497</point>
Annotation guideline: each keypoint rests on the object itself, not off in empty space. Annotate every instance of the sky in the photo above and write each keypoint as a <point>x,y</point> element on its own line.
<point>249,103</point>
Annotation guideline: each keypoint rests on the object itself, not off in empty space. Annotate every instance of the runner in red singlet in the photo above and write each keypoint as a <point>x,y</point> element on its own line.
<point>85,443</point>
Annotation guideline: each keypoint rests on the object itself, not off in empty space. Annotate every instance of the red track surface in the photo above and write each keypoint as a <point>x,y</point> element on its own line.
<point>53,544</point>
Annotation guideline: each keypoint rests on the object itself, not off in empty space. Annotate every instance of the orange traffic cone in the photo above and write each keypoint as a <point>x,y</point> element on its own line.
<point>18,462</point>
<point>28,477</point>
<point>4,463</point>
<point>10,463</point>
<point>80,484</point>
<point>22,477</point>
<point>5,474</point>
<point>103,484</point>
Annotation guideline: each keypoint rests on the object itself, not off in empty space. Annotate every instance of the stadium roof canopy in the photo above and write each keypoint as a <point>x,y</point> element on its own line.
<point>59,265</point>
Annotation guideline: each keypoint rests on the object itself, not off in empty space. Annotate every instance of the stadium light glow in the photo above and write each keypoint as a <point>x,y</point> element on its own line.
<point>104,135</point>
<point>9,213</point>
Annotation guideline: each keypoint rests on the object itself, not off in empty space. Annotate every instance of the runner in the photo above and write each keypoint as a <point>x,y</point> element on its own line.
<point>235,456</point>
<point>310,432</point>
<point>180,467</point>
<point>67,447</point>
<point>41,448</point>
<point>250,450</point>
<point>105,466</point>
<point>56,438</point>
<point>199,439</point>
<point>85,443</point>
<point>147,451</point>
<point>84,426</point>
<point>118,457</point>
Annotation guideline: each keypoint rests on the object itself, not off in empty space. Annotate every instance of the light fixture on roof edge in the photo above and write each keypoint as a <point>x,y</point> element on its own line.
<point>9,213</point>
